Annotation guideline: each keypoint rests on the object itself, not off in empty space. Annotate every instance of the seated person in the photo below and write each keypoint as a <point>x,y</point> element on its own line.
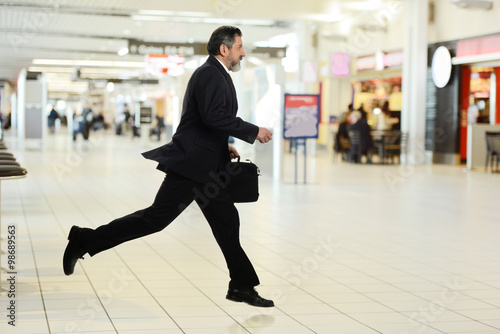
<point>342,136</point>
<point>365,144</point>
<point>384,119</point>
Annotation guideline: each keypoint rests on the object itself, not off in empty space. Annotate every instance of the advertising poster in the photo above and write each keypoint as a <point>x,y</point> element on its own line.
<point>340,64</point>
<point>301,116</point>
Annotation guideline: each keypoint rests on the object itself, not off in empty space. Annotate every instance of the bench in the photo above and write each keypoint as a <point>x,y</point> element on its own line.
<point>10,169</point>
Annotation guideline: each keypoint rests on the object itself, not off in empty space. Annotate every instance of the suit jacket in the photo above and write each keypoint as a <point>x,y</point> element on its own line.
<point>200,144</point>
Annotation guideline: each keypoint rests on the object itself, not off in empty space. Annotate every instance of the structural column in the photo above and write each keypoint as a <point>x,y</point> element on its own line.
<point>32,101</point>
<point>415,79</point>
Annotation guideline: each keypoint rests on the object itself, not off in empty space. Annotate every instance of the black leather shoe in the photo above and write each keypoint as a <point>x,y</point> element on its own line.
<point>249,296</point>
<point>74,250</point>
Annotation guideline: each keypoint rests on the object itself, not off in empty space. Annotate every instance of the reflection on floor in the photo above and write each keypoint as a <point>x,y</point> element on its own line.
<point>358,249</point>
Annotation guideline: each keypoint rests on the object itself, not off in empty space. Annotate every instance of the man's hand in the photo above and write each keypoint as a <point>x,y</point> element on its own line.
<point>264,135</point>
<point>233,153</point>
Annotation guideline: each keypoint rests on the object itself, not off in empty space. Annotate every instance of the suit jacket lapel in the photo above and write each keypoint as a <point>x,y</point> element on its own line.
<point>229,80</point>
<point>235,99</point>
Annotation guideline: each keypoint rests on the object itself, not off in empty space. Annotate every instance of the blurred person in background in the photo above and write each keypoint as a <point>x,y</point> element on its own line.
<point>53,115</point>
<point>384,119</point>
<point>366,142</point>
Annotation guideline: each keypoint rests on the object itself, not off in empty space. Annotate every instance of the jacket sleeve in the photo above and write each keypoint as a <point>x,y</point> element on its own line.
<point>214,105</point>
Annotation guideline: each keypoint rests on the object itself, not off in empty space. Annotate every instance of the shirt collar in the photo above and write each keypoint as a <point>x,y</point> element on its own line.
<point>224,66</point>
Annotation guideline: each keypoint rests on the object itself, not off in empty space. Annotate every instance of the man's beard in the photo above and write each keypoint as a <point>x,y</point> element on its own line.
<point>235,66</point>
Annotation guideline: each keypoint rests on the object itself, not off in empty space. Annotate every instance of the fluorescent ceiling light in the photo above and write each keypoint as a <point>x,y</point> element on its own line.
<point>149,18</point>
<point>51,69</point>
<point>172,13</point>
<point>364,5</point>
<point>104,63</point>
<point>107,73</point>
<point>69,84</point>
<point>331,18</point>
<point>100,70</point>
<point>68,89</point>
<point>156,12</point>
<point>57,77</point>
<point>208,20</point>
<point>249,22</point>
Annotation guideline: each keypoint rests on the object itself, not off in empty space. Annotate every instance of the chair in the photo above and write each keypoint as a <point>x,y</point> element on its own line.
<point>492,150</point>
<point>355,149</point>
<point>391,146</point>
<point>341,146</point>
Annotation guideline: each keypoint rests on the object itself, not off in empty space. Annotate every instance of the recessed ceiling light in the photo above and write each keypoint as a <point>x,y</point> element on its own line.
<point>123,51</point>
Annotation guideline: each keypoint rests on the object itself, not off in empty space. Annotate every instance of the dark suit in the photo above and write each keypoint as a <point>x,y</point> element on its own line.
<point>200,144</point>
<point>198,150</point>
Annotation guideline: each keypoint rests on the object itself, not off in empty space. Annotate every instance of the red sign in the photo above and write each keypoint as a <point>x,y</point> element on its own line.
<point>166,64</point>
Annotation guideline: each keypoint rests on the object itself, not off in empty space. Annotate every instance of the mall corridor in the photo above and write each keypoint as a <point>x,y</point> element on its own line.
<point>358,249</point>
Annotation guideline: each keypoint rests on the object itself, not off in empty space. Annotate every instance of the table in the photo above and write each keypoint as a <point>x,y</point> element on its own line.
<point>385,141</point>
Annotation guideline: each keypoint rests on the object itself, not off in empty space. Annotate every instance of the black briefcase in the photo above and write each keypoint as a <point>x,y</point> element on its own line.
<point>243,181</point>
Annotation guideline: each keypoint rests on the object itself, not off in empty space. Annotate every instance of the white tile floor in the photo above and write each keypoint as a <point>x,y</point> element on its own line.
<point>358,249</point>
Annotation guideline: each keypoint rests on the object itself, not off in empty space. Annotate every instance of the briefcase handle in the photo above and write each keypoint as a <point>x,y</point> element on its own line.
<point>248,161</point>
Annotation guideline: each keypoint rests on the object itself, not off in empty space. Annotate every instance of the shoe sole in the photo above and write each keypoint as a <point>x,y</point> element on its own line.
<point>234,299</point>
<point>241,300</point>
<point>72,233</point>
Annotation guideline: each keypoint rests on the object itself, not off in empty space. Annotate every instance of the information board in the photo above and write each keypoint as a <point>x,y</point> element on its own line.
<point>301,116</point>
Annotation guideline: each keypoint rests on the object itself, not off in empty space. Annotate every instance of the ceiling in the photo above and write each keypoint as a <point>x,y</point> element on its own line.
<point>99,29</point>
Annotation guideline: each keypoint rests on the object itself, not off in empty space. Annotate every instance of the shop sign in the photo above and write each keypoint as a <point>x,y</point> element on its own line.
<point>393,59</point>
<point>137,47</point>
<point>478,46</point>
<point>379,61</point>
<point>441,67</point>
<point>266,52</point>
<point>165,64</point>
<point>366,63</point>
